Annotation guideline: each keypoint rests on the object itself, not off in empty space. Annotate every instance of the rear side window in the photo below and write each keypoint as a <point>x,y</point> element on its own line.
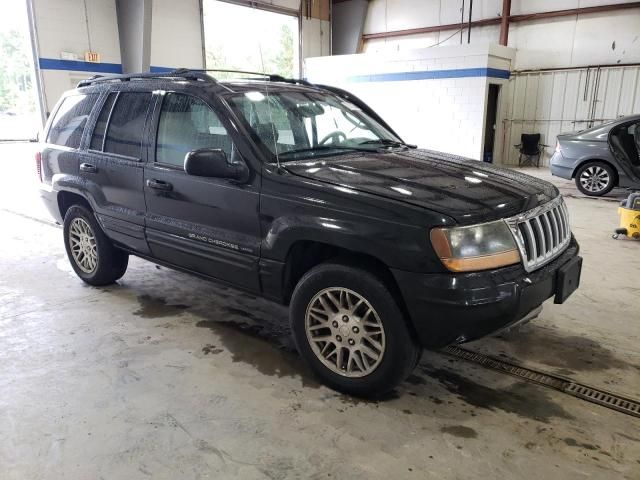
<point>70,119</point>
<point>126,126</point>
<point>97,139</point>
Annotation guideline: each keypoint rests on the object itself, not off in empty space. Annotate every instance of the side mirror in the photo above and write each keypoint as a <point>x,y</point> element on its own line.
<point>212,162</point>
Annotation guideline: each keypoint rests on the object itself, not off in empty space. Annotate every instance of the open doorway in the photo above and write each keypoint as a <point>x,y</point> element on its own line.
<point>273,46</point>
<point>19,115</point>
<point>490,122</point>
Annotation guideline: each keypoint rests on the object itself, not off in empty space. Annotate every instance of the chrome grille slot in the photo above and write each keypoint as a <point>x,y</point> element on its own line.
<point>541,233</point>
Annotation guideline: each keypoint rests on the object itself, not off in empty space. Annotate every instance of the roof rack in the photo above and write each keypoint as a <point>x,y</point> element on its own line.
<point>189,74</point>
<point>184,73</point>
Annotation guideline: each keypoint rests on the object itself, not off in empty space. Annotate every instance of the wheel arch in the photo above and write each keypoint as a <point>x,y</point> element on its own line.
<point>303,255</point>
<point>67,199</point>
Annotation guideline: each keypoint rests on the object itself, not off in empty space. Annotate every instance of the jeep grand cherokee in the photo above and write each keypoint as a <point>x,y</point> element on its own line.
<point>301,193</point>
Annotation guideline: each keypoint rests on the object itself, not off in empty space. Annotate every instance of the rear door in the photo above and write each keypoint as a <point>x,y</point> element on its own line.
<point>112,167</point>
<point>207,225</point>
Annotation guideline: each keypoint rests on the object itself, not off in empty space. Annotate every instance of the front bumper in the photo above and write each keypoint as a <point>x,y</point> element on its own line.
<point>455,308</point>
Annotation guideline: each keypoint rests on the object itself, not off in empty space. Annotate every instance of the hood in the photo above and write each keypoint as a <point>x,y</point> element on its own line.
<point>469,191</point>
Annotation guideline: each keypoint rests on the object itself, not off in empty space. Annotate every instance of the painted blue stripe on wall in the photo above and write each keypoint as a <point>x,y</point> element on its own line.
<point>430,75</point>
<point>78,66</point>
<point>161,69</point>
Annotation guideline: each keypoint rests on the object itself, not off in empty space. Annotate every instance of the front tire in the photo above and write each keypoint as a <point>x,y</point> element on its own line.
<point>91,254</point>
<point>349,329</point>
<point>595,179</point>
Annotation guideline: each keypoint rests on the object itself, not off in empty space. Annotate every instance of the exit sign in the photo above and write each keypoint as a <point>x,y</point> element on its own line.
<point>93,57</point>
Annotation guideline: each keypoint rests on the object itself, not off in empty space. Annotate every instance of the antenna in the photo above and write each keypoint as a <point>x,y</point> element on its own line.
<point>273,125</point>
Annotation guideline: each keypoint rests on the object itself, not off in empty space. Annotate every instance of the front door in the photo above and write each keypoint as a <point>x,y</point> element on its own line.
<point>624,142</point>
<point>206,225</point>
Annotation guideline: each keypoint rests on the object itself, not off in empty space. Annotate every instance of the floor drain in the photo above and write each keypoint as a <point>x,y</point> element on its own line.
<point>578,390</point>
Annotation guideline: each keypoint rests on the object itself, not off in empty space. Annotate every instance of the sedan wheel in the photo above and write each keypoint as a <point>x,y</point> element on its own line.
<point>595,179</point>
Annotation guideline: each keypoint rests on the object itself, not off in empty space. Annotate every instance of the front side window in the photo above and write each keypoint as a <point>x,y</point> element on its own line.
<point>70,119</point>
<point>186,124</point>
<point>296,125</point>
<point>126,126</point>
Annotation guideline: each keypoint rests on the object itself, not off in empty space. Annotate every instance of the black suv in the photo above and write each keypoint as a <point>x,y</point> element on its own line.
<point>301,193</point>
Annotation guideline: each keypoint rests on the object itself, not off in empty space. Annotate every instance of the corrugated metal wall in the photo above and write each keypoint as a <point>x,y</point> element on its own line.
<point>550,102</point>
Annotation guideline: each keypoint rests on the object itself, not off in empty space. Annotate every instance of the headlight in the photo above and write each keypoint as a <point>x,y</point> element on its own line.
<point>477,247</point>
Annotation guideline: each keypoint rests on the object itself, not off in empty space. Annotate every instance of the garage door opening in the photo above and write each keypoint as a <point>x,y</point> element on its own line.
<point>19,117</point>
<point>238,37</point>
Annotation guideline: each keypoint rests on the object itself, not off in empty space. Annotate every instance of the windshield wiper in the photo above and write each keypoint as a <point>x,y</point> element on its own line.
<point>389,142</point>
<point>321,148</point>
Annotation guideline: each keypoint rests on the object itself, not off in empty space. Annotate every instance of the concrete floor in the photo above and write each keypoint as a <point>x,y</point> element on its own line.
<point>167,376</point>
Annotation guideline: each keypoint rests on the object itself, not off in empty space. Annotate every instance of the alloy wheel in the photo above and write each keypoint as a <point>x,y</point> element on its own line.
<point>83,245</point>
<point>595,179</point>
<point>345,332</point>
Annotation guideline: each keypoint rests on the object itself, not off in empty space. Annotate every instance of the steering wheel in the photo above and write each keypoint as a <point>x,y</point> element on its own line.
<point>336,137</point>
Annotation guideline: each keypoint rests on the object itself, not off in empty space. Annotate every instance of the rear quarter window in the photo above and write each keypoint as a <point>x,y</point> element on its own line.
<point>70,119</point>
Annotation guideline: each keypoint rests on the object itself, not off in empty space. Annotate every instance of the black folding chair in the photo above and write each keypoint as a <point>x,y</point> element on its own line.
<point>530,150</point>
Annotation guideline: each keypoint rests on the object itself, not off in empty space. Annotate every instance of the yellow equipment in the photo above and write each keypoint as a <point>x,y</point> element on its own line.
<point>629,211</point>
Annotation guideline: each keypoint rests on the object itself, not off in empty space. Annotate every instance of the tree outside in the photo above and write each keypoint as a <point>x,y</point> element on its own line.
<point>242,38</point>
<point>16,85</point>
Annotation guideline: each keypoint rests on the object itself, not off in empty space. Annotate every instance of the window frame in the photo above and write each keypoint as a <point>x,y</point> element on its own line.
<point>145,128</point>
<point>155,125</point>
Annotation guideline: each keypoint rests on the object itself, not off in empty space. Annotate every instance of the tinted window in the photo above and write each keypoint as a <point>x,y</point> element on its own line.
<point>124,134</point>
<point>101,125</point>
<point>68,124</point>
<point>187,123</point>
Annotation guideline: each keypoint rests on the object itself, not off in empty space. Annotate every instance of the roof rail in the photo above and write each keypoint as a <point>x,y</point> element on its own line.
<point>271,77</point>
<point>184,73</point>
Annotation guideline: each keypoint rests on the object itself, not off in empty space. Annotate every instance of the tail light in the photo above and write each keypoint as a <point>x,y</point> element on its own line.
<point>39,165</point>
<point>558,146</point>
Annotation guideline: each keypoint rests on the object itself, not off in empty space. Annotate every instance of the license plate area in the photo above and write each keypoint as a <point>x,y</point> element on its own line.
<point>567,279</point>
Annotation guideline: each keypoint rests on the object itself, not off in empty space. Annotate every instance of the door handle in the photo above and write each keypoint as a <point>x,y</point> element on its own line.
<point>88,168</point>
<point>159,185</point>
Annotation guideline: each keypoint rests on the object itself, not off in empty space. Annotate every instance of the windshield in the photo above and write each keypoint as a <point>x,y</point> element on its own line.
<point>298,125</point>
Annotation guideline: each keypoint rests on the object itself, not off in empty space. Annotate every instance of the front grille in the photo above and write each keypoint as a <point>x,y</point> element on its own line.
<point>542,233</point>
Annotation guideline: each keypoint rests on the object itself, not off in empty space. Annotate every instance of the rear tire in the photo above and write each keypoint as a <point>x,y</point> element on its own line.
<point>91,254</point>
<point>368,348</point>
<point>595,178</point>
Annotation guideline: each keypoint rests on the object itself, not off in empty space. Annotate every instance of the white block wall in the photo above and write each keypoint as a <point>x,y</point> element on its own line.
<point>61,27</point>
<point>445,114</point>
